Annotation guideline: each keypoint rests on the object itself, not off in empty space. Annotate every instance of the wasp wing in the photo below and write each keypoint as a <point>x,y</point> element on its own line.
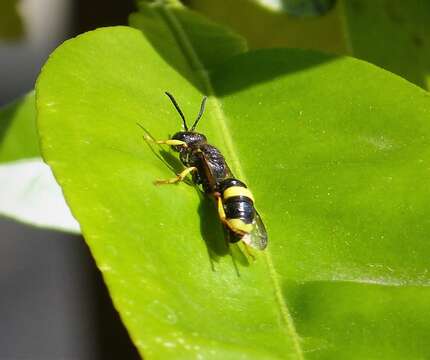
<point>257,238</point>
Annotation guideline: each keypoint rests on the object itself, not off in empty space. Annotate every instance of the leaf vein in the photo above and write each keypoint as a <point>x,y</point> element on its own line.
<point>200,70</point>
<point>344,22</point>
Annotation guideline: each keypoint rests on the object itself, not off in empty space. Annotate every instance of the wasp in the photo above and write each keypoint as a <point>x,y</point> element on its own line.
<point>209,169</point>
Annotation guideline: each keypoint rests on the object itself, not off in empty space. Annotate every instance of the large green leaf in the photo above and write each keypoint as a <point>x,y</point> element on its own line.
<point>391,34</point>
<point>336,155</point>
<point>28,191</point>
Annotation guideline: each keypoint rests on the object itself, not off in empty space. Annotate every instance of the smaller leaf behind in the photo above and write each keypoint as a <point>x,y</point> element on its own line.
<point>18,136</point>
<point>167,25</point>
<point>28,191</point>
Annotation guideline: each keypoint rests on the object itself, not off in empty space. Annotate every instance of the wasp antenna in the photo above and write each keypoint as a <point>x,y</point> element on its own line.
<point>178,109</point>
<point>202,109</point>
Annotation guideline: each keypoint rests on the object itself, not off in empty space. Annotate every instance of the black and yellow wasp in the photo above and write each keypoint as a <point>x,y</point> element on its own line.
<point>209,169</point>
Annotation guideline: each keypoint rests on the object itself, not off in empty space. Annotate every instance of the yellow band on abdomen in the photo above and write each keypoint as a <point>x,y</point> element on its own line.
<point>237,191</point>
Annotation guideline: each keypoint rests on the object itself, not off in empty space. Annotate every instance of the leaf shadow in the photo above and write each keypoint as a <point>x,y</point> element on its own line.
<point>171,161</point>
<point>264,65</point>
<point>215,236</point>
<point>211,229</point>
<point>165,156</point>
<point>156,27</point>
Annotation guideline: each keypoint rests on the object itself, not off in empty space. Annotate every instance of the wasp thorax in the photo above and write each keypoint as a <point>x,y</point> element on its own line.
<point>191,138</point>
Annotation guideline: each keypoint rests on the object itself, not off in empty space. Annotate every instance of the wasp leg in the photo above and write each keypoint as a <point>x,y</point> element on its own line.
<point>248,251</point>
<point>181,176</point>
<point>221,214</point>
<point>170,142</point>
<point>223,218</point>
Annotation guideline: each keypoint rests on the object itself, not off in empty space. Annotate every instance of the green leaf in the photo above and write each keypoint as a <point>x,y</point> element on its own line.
<point>391,34</point>
<point>339,176</point>
<point>249,17</point>
<point>28,191</point>
<point>18,137</point>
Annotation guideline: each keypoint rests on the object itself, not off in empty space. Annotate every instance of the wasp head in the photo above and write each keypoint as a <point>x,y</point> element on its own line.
<point>191,138</point>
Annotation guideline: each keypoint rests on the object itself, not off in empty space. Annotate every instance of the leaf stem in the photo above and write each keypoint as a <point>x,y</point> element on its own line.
<point>346,35</point>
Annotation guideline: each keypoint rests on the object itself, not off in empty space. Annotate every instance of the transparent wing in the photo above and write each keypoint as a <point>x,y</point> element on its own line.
<point>257,238</point>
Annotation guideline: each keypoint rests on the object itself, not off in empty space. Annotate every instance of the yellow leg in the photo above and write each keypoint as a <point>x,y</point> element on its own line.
<point>181,176</point>
<point>171,142</point>
<point>221,214</point>
<point>248,251</point>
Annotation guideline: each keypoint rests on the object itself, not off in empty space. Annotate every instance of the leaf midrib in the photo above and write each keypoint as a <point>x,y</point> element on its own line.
<point>197,66</point>
<point>345,26</point>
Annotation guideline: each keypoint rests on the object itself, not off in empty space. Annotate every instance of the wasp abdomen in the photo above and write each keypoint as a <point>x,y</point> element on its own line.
<point>238,203</point>
<point>239,207</point>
